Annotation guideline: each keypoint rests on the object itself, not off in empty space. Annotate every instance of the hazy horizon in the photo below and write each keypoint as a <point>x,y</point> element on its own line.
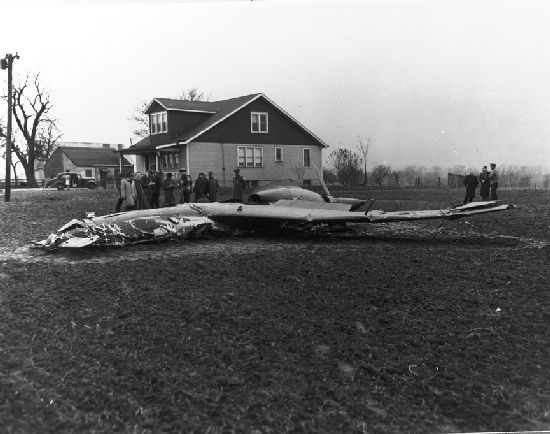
<point>433,83</point>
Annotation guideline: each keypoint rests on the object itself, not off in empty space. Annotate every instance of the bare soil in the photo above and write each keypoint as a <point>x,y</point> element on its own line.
<point>417,327</point>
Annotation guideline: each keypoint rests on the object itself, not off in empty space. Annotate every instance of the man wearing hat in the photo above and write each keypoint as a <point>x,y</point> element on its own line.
<point>213,186</point>
<point>154,189</point>
<point>238,185</point>
<point>186,185</point>
<point>493,180</point>
<point>484,183</point>
<point>169,185</point>
<point>470,182</point>
<point>201,188</point>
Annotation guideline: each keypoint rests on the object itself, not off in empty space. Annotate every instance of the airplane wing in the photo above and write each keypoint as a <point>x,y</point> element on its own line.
<point>191,220</point>
<point>473,208</point>
<point>295,212</point>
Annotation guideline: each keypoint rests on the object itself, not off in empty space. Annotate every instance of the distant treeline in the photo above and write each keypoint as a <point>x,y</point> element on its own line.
<point>382,175</point>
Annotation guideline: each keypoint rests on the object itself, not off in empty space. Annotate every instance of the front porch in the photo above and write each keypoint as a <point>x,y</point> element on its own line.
<point>169,159</point>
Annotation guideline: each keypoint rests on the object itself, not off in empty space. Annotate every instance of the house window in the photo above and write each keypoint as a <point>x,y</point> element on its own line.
<point>307,157</point>
<point>258,122</point>
<point>159,123</point>
<point>250,156</point>
<point>170,160</point>
<point>88,173</point>
<point>278,154</point>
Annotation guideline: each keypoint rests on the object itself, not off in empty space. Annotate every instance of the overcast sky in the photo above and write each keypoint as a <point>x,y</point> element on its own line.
<point>432,82</point>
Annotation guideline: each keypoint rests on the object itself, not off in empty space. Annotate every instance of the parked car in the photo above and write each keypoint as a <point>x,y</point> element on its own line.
<point>72,180</point>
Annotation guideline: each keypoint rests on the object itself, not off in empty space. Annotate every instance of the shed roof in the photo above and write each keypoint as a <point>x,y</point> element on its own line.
<point>93,157</point>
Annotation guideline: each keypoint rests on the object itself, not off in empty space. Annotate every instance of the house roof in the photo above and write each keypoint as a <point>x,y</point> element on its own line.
<point>219,110</point>
<point>92,157</point>
<point>182,105</point>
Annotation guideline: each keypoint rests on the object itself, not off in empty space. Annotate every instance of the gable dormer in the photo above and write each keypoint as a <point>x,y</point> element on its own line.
<point>169,118</point>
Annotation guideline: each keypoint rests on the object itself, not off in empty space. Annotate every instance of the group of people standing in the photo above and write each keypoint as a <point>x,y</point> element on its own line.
<point>488,182</point>
<point>139,191</point>
<point>204,189</point>
<point>142,191</point>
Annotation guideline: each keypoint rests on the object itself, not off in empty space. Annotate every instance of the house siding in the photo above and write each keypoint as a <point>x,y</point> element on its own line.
<point>205,157</point>
<point>236,128</point>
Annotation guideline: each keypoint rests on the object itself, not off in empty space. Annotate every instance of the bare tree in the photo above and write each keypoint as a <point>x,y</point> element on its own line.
<point>31,110</point>
<point>193,94</point>
<point>396,174</point>
<point>13,163</point>
<point>364,148</point>
<point>329,175</point>
<point>47,140</point>
<point>409,174</point>
<point>380,173</point>
<point>140,120</point>
<point>346,166</point>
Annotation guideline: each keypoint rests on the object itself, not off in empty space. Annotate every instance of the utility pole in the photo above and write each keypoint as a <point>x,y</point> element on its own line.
<point>7,63</point>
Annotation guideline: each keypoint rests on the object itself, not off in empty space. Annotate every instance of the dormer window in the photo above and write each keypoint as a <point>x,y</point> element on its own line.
<point>258,122</point>
<point>159,123</point>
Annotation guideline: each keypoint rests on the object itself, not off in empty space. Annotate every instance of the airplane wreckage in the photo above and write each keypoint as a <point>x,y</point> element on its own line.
<point>271,209</point>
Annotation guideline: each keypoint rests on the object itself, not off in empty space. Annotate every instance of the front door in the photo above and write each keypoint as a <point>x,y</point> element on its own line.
<point>103,178</point>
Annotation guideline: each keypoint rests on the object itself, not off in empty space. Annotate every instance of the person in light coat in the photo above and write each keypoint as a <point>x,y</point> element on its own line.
<point>128,193</point>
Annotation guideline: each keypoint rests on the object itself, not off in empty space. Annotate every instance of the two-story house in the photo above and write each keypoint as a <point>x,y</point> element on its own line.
<point>249,132</point>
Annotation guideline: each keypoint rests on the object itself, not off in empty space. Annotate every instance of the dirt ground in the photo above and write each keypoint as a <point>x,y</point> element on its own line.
<point>430,326</point>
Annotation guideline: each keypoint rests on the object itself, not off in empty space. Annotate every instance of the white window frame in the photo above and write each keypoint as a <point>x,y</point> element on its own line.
<point>169,160</point>
<point>279,160</point>
<point>258,116</point>
<point>158,123</point>
<point>304,157</point>
<point>250,154</point>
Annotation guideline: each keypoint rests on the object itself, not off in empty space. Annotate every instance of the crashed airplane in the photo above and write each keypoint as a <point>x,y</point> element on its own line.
<point>272,209</point>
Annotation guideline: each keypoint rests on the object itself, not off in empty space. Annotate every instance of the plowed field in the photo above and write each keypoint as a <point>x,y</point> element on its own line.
<point>406,327</point>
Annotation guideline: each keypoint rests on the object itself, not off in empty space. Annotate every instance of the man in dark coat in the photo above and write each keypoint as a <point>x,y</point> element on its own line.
<point>201,188</point>
<point>141,183</point>
<point>493,181</point>
<point>238,185</point>
<point>213,186</point>
<point>470,181</point>
<point>154,189</point>
<point>484,184</point>
<point>169,185</point>
<point>186,185</point>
